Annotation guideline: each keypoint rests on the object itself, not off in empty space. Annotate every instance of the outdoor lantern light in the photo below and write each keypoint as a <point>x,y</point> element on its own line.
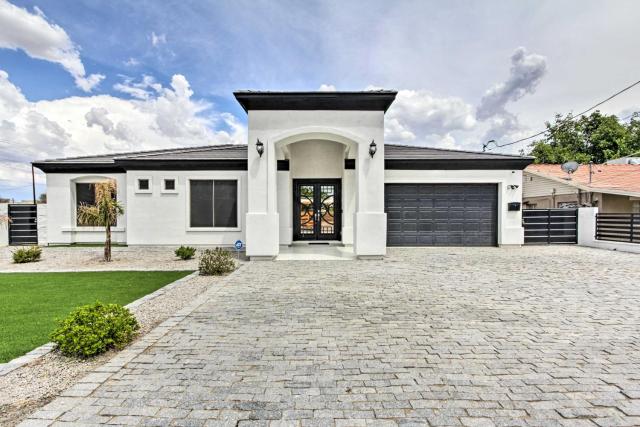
<point>260,147</point>
<point>372,148</point>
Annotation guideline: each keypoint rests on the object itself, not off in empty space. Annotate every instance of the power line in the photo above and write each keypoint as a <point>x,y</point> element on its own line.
<point>485,146</point>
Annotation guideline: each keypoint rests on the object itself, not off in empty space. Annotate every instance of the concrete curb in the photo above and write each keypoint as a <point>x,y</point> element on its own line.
<point>74,395</point>
<point>47,348</point>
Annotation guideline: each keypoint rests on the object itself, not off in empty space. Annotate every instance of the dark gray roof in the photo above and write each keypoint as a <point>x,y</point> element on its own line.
<point>235,156</point>
<point>403,152</point>
<point>205,152</point>
<point>374,100</point>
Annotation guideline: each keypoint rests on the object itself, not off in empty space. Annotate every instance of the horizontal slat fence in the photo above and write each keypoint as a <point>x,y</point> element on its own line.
<point>550,226</point>
<point>618,227</point>
<point>23,228</point>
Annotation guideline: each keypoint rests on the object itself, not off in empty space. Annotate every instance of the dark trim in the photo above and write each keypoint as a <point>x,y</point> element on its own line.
<point>456,164</point>
<point>337,208</point>
<point>349,163</point>
<point>341,101</point>
<point>78,167</point>
<point>283,165</point>
<point>180,165</point>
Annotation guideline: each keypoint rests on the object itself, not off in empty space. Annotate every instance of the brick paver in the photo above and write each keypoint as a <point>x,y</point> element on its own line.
<point>536,336</point>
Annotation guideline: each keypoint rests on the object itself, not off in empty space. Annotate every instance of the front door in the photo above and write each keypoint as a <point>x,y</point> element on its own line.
<point>316,209</point>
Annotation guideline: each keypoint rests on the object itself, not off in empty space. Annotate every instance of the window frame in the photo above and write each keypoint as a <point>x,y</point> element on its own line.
<point>143,191</point>
<point>74,189</point>
<point>164,189</point>
<point>213,198</point>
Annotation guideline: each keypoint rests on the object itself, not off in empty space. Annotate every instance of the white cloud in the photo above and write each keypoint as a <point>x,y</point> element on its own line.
<point>41,39</point>
<point>418,113</point>
<point>140,90</point>
<point>527,70</point>
<point>326,88</point>
<point>77,126</point>
<point>131,62</point>
<point>157,39</point>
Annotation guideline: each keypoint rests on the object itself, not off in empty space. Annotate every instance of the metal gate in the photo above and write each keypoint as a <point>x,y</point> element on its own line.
<point>550,226</point>
<point>23,227</point>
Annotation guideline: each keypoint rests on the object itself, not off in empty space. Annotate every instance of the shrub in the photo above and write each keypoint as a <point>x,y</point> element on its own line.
<point>185,252</point>
<point>95,328</point>
<point>30,254</point>
<point>216,262</point>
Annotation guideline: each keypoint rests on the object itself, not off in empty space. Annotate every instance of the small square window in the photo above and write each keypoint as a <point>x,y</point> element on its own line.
<point>143,184</point>
<point>170,184</point>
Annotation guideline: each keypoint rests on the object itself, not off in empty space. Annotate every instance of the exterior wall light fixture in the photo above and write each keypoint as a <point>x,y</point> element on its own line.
<point>372,148</point>
<point>259,147</point>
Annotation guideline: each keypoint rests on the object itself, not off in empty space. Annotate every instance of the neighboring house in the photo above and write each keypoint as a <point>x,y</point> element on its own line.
<point>629,160</point>
<point>614,188</point>
<point>316,169</point>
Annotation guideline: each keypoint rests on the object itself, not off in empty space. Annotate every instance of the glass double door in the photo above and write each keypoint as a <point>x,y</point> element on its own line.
<point>316,209</point>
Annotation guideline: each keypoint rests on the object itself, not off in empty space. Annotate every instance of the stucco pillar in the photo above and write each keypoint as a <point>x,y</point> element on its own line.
<point>370,220</point>
<point>4,227</point>
<point>587,226</point>
<point>262,222</point>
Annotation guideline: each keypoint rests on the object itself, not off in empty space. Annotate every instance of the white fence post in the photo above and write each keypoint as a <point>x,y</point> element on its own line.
<point>4,227</point>
<point>42,223</point>
<point>587,226</point>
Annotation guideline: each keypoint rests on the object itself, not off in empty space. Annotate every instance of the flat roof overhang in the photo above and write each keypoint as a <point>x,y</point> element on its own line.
<point>338,101</point>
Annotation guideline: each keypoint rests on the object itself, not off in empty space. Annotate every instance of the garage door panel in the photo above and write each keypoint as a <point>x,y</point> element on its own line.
<point>441,214</point>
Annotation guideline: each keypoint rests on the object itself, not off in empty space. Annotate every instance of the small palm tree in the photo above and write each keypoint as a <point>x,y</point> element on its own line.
<point>104,213</point>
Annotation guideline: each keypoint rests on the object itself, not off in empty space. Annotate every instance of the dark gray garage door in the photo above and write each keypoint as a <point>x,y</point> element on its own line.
<point>441,214</point>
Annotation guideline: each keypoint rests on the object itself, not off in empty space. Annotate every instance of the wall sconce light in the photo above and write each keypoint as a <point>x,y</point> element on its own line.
<point>260,147</point>
<point>513,187</point>
<point>372,148</point>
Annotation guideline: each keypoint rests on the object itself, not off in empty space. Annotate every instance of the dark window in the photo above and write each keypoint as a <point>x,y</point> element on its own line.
<point>170,184</point>
<point>143,184</point>
<point>213,203</point>
<point>86,195</point>
<point>201,203</point>
<point>226,203</point>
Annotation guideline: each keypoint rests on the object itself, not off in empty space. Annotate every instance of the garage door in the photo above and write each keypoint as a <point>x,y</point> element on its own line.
<point>441,214</point>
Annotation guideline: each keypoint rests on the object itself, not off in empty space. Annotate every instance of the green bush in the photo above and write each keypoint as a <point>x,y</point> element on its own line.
<point>95,328</point>
<point>185,252</point>
<point>30,254</point>
<point>216,262</point>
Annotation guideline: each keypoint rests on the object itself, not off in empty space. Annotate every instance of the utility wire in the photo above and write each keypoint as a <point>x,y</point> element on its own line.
<point>485,146</point>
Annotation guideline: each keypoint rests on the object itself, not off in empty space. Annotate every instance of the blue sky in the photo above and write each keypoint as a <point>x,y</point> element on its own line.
<point>85,77</point>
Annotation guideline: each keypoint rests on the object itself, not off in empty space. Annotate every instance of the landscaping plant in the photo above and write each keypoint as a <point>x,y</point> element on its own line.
<point>185,252</point>
<point>216,262</point>
<point>93,329</point>
<point>104,213</point>
<point>30,254</point>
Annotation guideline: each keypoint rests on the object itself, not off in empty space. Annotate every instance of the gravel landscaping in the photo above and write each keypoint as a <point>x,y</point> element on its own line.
<point>30,387</point>
<point>90,259</point>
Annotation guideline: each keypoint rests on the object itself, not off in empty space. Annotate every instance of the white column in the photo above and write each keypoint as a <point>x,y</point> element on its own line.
<point>4,226</point>
<point>370,220</point>
<point>262,232</point>
<point>587,226</point>
<point>42,223</point>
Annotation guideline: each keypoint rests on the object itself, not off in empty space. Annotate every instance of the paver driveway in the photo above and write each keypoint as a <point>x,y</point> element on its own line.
<point>532,336</point>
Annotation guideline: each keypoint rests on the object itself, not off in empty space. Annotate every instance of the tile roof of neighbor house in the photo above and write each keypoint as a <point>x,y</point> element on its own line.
<point>408,157</point>
<point>617,178</point>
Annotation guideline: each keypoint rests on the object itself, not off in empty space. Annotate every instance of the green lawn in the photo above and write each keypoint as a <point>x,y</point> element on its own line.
<point>30,302</point>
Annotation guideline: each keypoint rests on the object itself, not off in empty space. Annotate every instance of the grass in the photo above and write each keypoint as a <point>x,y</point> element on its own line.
<point>31,302</point>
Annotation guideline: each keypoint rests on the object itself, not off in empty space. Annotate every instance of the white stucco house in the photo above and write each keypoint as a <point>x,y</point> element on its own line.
<point>315,169</point>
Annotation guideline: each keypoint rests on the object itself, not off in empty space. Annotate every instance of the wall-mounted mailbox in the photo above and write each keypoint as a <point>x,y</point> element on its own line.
<point>514,206</point>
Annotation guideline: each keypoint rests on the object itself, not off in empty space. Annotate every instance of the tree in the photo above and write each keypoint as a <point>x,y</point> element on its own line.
<point>594,138</point>
<point>104,213</point>
<point>42,198</point>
